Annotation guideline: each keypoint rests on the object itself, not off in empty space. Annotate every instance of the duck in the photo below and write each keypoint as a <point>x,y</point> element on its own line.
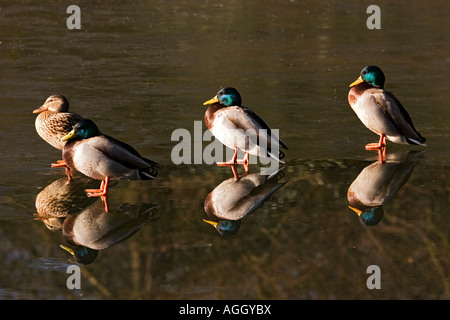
<point>232,200</point>
<point>83,255</point>
<point>55,121</point>
<point>380,111</point>
<point>378,183</point>
<point>241,129</point>
<point>94,229</point>
<point>60,199</point>
<point>104,158</point>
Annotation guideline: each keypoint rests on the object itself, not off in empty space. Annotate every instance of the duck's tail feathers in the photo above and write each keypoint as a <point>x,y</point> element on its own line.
<point>420,141</point>
<point>278,157</point>
<point>148,173</point>
<point>151,162</point>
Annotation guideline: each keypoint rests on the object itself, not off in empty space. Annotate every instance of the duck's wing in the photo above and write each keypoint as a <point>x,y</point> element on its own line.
<point>249,132</point>
<point>233,200</point>
<point>120,152</point>
<point>261,124</point>
<point>398,115</point>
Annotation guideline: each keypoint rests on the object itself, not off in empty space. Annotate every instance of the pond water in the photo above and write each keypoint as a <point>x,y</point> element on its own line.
<point>142,69</point>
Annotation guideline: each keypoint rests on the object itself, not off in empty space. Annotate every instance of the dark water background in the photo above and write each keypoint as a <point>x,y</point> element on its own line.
<point>142,69</point>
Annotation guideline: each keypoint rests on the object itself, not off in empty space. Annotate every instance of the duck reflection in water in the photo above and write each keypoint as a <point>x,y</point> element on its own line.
<point>85,224</point>
<point>378,183</point>
<point>232,200</point>
<point>95,229</point>
<point>60,199</point>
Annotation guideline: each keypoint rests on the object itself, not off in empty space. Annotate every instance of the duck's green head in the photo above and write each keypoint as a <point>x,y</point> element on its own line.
<point>369,216</point>
<point>82,254</point>
<point>83,129</point>
<point>225,227</point>
<point>372,75</point>
<point>227,96</point>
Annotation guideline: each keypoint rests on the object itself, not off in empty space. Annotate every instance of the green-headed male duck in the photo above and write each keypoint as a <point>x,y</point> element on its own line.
<point>233,200</point>
<point>380,111</point>
<point>240,128</point>
<point>102,157</point>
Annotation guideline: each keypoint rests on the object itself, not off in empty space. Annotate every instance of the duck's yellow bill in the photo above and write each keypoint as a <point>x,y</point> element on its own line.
<point>356,210</point>
<point>357,81</point>
<point>68,249</point>
<point>68,136</point>
<point>213,223</point>
<point>211,101</point>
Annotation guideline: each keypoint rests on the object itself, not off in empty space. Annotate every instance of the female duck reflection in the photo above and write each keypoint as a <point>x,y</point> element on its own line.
<point>86,226</point>
<point>378,183</point>
<point>234,199</point>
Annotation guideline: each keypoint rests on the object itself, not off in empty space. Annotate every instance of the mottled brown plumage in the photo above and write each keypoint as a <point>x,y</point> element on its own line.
<point>55,121</point>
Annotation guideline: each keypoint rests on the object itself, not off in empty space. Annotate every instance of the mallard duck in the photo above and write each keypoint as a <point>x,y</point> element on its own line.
<point>233,200</point>
<point>54,122</point>
<point>379,183</point>
<point>102,157</point>
<point>240,128</point>
<point>60,199</point>
<point>380,111</point>
<point>83,255</point>
<point>93,229</point>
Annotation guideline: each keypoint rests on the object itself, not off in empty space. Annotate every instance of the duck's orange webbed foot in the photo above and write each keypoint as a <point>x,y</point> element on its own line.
<point>244,162</point>
<point>380,147</point>
<point>103,191</point>
<point>376,146</point>
<point>59,164</point>
<point>226,164</point>
<point>62,164</point>
<point>232,163</point>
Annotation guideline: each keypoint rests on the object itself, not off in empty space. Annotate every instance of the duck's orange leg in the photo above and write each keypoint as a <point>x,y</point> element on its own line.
<point>232,162</point>
<point>233,168</point>
<point>381,154</point>
<point>235,161</point>
<point>103,191</point>
<point>62,164</point>
<point>244,161</point>
<point>105,202</point>
<point>59,164</point>
<point>379,145</point>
